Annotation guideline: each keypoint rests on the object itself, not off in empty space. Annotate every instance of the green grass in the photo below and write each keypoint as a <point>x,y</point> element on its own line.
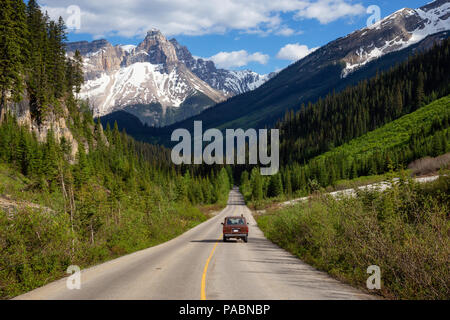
<point>11,183</point>
<point>37,245</point>
<point>395,133</point>
<point>17,187</point>
<point>404,230</point>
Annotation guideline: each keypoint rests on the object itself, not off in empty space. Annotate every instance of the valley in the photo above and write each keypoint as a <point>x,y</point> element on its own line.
<point>97,170</point>
<point>396,38</point>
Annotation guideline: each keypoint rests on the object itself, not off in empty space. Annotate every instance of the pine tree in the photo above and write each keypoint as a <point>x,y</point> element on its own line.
<point>398,102</point>
<point>288,184</point>
<point>275,188</point>
<point>78,71</point>
<point>36,76</point>
<point>257,184</point>
<point>419,93</point>
<point>437,147</point>
<point>13,51</point>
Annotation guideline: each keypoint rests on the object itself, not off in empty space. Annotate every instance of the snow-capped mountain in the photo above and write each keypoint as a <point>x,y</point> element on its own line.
<point>143,75</point>
<point>397,31</point>
<point>155,78</point>
<point>334,66</point>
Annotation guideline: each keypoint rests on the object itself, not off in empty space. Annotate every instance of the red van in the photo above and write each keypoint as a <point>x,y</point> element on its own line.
<point>235,227</point>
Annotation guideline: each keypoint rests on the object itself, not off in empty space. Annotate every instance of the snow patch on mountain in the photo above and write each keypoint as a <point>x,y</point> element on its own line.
<point>128,47</point>
<point>139,83</point>
<point>244,80</point>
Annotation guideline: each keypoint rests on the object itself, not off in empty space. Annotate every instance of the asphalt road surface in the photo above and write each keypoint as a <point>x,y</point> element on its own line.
<point>198,265</point>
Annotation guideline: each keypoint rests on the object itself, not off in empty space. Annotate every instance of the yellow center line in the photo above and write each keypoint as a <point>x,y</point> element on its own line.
<point>203,289</point>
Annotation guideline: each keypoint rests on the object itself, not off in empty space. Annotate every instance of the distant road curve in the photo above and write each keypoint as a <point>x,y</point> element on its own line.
<point>380,186</point>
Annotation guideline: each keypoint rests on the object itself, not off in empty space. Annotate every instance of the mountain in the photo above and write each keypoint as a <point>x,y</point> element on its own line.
<point>333,67</point>
<point>340,63</point>
<point>397,31</point>
<point>148,77</point>
<point>159,80</point>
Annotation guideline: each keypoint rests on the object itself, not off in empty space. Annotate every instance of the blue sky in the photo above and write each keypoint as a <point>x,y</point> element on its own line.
<point>238,35</point>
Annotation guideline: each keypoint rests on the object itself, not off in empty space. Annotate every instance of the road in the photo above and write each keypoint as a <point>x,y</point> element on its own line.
<point>379,186</point>
<point>198,265</point>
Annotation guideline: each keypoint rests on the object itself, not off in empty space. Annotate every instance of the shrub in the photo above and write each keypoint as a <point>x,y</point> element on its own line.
<point>404,230</point>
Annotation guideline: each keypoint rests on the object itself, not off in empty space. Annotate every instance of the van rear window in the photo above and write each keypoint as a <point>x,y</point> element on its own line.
<point>234,221</point>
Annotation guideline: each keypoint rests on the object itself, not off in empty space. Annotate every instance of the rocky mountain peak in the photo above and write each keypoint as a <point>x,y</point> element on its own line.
<point>183,54</point>
<point>157,48</point>
<point>230,82</point>
<point>99,56</point>
<point>154,32</point>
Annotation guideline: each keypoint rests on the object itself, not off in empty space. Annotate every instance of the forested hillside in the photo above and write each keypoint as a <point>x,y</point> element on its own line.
<point>81,201</point>
<point>341,117</point>
<point>422,133</point>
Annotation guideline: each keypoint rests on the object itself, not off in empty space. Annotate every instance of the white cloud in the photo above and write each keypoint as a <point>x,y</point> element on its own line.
<point>133,18</point>
<point>327,11</point>
<point>286,31</point>
<point>294,52</point>
<point>240,58</point>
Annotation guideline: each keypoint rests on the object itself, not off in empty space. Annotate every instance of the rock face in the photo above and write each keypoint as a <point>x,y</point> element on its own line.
<point>97,61</point>
<point>156,72</point>
<point>228,81</point>
<point>54,122</point>
<point>155,49</point>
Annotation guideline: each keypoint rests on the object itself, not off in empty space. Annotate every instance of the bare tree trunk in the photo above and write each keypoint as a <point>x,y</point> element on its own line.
<point>63,186</point>
<point>92,234</point>
<point>119,214</point>
<point>2,106</point>
<point>72,209</point>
